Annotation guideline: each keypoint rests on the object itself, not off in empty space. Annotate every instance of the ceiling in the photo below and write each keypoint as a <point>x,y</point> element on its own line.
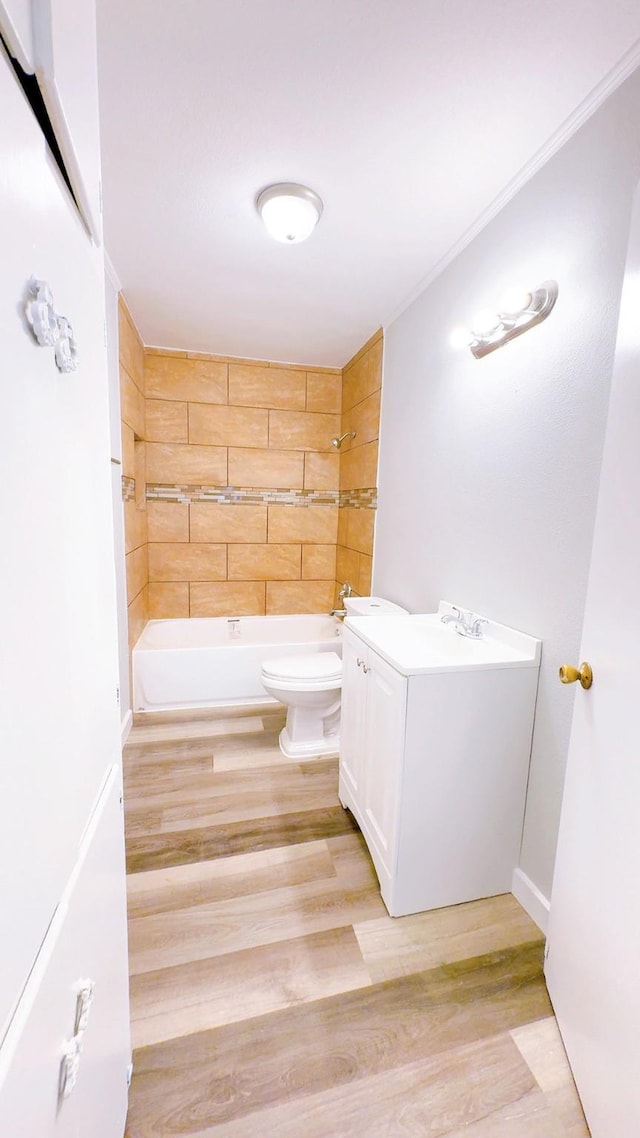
<point>408,117</point>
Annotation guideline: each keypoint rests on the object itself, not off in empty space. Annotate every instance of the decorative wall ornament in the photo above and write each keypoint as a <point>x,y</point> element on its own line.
<point>40,313</point>
<point>49,329</point>
<point>66,349</point>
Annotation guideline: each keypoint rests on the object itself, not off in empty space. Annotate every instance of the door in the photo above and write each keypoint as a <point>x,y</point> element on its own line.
<point>594,932</point>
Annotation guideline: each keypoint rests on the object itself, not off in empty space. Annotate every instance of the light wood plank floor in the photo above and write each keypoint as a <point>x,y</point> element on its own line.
<point>271,993</point>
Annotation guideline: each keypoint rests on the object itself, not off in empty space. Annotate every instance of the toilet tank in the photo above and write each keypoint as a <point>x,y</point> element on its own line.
<point>371,606</point>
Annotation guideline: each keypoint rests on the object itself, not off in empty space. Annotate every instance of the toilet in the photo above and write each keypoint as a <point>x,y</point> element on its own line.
<point>311,686</point>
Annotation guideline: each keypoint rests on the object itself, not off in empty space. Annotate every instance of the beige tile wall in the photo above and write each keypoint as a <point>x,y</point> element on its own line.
<point>216,422</point>
<point>194,425</point>
<point>361,392</point>
<point>132,412</point>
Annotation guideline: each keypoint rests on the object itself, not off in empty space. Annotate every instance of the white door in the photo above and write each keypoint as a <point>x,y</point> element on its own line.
<point>594,935</point>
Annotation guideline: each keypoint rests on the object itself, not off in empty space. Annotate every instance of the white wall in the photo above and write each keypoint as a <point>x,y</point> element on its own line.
<point>489,468</point>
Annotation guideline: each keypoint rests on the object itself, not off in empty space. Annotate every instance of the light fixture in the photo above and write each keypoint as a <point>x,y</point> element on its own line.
<point>290,212</point>
<point>519,311</point>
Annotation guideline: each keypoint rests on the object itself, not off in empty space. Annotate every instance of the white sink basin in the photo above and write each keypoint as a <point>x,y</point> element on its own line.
<point>417,643</point>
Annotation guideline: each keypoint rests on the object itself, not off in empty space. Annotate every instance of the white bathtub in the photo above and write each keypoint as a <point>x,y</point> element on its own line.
<point>215,661</point>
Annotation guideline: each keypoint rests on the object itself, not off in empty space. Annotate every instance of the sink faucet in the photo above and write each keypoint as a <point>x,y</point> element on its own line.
<point>465,623</point>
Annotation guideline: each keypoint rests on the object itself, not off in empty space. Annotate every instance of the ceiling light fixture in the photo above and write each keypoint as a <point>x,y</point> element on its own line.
<point>290,212</point>
<point>519,311</point>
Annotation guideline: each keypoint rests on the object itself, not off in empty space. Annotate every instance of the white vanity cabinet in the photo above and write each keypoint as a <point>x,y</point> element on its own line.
<point>434,756</point>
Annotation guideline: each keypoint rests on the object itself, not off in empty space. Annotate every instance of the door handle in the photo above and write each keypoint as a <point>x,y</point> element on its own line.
<point>568,674</point>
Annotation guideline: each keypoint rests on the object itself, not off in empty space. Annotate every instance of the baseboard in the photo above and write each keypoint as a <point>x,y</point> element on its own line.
<point>532,900</point>
<point>127,724</point>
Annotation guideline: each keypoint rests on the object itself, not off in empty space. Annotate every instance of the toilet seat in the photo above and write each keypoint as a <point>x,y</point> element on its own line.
<point>313,669</point>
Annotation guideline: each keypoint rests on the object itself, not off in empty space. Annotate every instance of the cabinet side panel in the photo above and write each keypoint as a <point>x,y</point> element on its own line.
<point>466,764</point>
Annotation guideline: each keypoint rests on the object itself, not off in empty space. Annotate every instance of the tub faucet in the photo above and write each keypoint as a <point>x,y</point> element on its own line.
<point>345,591</point>
<point>465,623</point>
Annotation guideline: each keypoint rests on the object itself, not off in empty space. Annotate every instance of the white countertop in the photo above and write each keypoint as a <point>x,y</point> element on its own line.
<point>417,644</point>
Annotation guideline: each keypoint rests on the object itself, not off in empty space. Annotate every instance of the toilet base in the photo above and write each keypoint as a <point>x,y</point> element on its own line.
<point>329,745</point>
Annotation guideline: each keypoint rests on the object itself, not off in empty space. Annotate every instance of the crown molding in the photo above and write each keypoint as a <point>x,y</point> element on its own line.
<point>599,95</point>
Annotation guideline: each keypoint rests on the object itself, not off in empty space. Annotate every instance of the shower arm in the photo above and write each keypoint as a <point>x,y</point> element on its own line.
<point>337,442</point>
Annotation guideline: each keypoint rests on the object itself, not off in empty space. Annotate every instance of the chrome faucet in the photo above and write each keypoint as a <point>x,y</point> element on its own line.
<point>345,591</point>
<point>465,623</point>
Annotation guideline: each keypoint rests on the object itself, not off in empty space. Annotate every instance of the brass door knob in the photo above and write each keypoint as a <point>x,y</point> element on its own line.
<point>569,675</point>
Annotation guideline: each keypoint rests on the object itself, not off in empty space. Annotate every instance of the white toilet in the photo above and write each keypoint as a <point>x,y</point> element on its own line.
<point>311,685</point>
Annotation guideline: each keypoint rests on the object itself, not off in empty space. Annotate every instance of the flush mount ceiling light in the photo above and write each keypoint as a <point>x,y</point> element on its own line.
<point>290,212</point>
<point>519,311</point>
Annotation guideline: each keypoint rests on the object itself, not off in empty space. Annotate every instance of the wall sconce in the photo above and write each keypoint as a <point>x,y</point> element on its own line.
<point>519,311</point>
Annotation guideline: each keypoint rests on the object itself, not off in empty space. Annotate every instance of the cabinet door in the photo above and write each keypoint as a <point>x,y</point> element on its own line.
<point>59,723</point>
<point>383,755</point>
<point>86,942</point>
<point>17,32</point>
<point>65,49</point>
<point>352,713</point>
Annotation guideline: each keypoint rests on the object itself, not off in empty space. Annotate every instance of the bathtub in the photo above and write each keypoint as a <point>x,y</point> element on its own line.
<point>215,661</point>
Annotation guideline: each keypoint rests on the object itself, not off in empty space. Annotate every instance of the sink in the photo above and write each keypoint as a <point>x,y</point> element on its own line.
<point>420,643</point>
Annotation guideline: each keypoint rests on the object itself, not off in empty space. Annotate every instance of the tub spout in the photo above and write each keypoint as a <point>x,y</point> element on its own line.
<point>340,613</point>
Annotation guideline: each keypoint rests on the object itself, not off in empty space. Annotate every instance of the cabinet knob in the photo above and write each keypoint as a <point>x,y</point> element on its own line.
<point>364,668</point>
<point>359,662</point>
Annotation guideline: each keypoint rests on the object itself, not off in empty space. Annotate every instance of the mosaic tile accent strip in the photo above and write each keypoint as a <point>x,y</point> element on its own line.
<point>360,499</point>
<point>255,496</point>
<point>247,494</point>
<point>128,489</point>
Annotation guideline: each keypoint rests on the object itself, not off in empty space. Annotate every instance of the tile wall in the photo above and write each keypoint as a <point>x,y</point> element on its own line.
<point>242,486</point>
<point>132,412</point>
<point>361,392</point>
<point>235,501</point>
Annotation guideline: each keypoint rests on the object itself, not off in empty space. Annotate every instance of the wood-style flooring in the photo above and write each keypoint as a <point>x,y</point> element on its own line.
<point>271,993</point>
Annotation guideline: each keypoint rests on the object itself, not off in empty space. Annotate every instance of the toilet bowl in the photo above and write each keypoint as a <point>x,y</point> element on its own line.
<point>310,686</point>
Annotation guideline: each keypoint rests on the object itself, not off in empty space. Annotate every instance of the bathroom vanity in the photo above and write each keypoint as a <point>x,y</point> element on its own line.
<point>435,744</point>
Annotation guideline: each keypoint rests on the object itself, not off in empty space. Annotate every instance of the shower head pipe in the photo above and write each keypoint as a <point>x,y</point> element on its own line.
<point>337,442</point>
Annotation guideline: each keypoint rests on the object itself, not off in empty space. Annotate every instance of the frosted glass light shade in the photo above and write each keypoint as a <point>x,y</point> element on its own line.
<point>514,301</point>
<point>485,322</point>
<point>290,212</point>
